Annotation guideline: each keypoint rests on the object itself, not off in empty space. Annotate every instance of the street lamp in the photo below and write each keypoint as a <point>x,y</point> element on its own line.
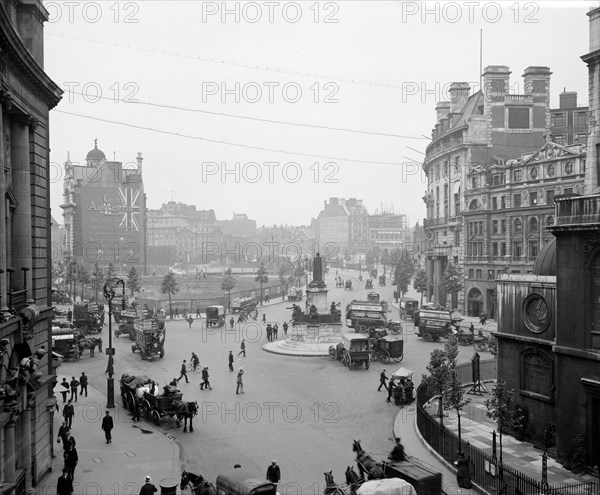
<point>109,294</point>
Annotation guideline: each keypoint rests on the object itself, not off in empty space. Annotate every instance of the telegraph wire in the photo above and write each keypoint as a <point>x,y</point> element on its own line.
<point>228,143</point>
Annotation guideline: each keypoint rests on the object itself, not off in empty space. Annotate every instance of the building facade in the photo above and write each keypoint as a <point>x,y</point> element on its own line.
<point>509,207</point>
<point>104,207</point>
<point>388,231</point>
<point>342,228</point>
<point>569,123</point>
<point>27,377</point>
<point>472,133</point>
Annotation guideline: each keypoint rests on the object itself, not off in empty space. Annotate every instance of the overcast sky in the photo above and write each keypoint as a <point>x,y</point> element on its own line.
<point>176,58</point>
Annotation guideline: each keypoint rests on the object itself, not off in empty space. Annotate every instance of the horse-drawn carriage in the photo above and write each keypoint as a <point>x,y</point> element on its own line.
<point>87,317</point>
<point>149,337</point>
<point>382,281</point>
<point>348,285</point>
<point>352,351</point>
<point>480,342</point>
<point>385,348</point>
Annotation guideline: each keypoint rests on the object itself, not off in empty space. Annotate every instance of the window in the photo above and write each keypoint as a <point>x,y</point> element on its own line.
<point>558,119</point>
<point>550,197</point>
<point>503,249</point>
<point>581,139</point>
<point>474,182</point>
<point>491,275</point>
<point>534,249</point>
<point>568,190</point>
<point>517,175</point>
<point>580,118</point>
<point>503,227</point>
<point>495,227</point>
<point>471,273</point>
<point>478,274</point>
<point>494,203</point>
<point>502,202</point>
<point>551,170</point>
<point>518,226</point>
<point>446,203</point>
<point>518,118</point>
<point>498,179</point>
<point>517,249</point>
<point>517,201</point>
<point>533,225</point>
<point>494,249</point>
<point>437,202</point>
<point>532,198</point>
<point>457,238</point>
<point>560,139</point>
<point>595,300</point>
<point>537,374</point>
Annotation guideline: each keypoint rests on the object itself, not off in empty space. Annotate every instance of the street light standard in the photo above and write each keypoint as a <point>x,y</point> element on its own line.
<point>109,294</point>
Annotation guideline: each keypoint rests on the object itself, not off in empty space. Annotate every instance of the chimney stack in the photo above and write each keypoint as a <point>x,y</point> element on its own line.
<point>496,79</point>
<point>568,99</point>
<point>459,94</point>
<point>139,160</point>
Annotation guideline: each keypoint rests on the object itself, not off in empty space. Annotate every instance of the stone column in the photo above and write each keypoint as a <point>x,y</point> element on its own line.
<point>21,225</point>
<point>437,279</point>
<point>9,452</point>
<point>25,450</point>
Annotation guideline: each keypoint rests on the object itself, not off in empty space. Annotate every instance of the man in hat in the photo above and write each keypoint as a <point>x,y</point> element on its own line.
<point>148,488</point>
<point>273,473</point>
<point>397,453</point>
<point>382,379</point>
<point>107,426</point>
<point>64,485</point>
<point>205,383</point>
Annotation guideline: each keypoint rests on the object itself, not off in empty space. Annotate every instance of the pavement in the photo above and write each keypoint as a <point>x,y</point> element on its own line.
<point>118,467</point>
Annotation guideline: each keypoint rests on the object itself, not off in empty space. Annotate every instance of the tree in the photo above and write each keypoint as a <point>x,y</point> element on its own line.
<point>453,281</point>
<point>133,281</point>
<point>440,367</point>
<point>420,283</point>
<point>403,272</point>
<point>385,259</point>
<point>83,278</point>
<point>499,408</point>
<point>262,278</point>
<point>227,284</point>
<point>169,286</point>
<point>110,272</point>
<point>454,393</point>
<point>283,279</point>
<point>98,276</point>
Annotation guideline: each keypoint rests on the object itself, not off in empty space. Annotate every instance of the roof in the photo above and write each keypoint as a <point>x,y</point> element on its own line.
<point>355,336</point>
<point>244,481</point>
<point>95,155</point>
<point>545,264</point>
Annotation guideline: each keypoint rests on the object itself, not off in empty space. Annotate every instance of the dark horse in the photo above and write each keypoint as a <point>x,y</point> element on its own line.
<point>353,479</point>
<point>366,464</point>
<point>198,484</point>
<point>185,411</point>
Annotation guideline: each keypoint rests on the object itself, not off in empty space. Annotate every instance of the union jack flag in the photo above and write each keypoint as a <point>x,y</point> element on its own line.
<point>131,209</point>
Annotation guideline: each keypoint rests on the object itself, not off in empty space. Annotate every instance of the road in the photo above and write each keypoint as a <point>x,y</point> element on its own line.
<point>303,412</point>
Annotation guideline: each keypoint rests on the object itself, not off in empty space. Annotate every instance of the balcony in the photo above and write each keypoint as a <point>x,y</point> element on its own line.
<point>436,222</point>
<point>577,210</point>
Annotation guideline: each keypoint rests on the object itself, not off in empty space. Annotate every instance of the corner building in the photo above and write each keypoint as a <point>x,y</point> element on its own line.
<point>26,399</point>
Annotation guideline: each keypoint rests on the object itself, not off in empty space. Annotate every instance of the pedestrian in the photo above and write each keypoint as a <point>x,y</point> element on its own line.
<point>74,384</point>
<point>64,485</point>
<point>83,381</point>
<point>285,328</point>
<point>274,473</point>
<point>231,322</point>
<point>64,384</point>
<point>183,372</point>
<point>68,413</point>
<point>231,361</point>
<point>71,459</point>
<point>63,434</point>
<point>243,348</point>
<point>102,318</point>
<point>148,488</point>
<point>69,315</point>
<point>463,476</point>
<point>205,383</point>
<point>240,383</point>
<point>107,426</point>
<point>195,360</point>
<point>136,406</point>
<point>472,329</point>
<point>269,332</point>
<point>275,330</point>
<point>190,320</point>
<point>264,318</point>
<point>397,453</point>
<point>382,379</point>
<point>198,312</point>
<point>391,387</point>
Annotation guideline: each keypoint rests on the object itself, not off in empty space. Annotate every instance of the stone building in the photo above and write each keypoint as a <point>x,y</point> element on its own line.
<point>388,231</point>
<point>104,207</point>
<point>472,133</point>
<point>26,373</point>
<point>568,122</point>
<point>509,206</point>
<point>342,228</point>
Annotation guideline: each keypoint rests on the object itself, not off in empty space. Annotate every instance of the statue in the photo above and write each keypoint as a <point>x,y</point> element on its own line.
<point>317,280</point>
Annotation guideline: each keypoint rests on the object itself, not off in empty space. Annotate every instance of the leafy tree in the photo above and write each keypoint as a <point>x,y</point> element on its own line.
<point>441,365</point>
<point>262,278</point>
<point>385,259</point>
<point>453,281</point>
<point>283,279</point>
<point>420,283</point>
<point>169,286</point>
<point>403,272</point>
<point>227,284</point>
<point>500,408</point>
<point>454,393</point>
<point>133,281</point>
<point>84,278</point>
<point>98,276</point>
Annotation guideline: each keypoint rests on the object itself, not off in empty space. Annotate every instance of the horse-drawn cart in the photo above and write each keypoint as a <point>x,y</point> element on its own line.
<point>386,348</point>
<point>348,285</point>
<point>129,386</point>
<point>355,351</point>
<point>154,408</point>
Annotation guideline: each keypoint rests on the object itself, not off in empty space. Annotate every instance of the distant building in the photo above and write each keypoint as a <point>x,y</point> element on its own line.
<point>387,231</point>
<point>239,241</point>
<point>569,123</point>
<point>343,228</point>
<point>104,212</point>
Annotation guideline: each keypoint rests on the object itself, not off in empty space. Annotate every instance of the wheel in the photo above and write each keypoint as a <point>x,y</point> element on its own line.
<point>385,357</point>
<point>130,402</point>
<point>362,329</point>
<point>349,363</point>
<point>145,409</point>
<point>367,364</point>
<point>427,337</point>
<point>374,356</point>
<point>161,353</point>
<point>133,348</point>
<point>464,341</point>
<point>144,355</point>
<point>480,346</point>
<point>156,417</point>
<point>398,359</point>
<point>124,400</point>
<point>76,356</point>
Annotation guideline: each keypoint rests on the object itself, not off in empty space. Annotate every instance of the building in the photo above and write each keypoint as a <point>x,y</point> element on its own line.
<point>178,233</point>
<point>342,228</point>
<point>26,95</point>
<point>104,213</point>
<point>472,133</point>
<point>569,123</point>
<point>387,231</point>
<point>509,208</point>
<point>239,243</point>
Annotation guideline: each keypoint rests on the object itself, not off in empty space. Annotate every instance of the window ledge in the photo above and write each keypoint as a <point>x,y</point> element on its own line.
<point>536,396</point>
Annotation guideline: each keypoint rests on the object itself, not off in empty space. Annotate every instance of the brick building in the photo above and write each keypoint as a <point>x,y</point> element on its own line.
<point>342,228</point>
<point>388,231</point>
<point>569,123</point>
<point>26,96</point>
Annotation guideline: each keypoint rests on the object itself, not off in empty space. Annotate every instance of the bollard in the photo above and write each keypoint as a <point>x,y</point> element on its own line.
<point>168,486</point>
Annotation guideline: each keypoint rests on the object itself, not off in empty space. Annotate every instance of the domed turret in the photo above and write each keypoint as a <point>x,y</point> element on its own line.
<point>95,156</point>
<point>545,264</point>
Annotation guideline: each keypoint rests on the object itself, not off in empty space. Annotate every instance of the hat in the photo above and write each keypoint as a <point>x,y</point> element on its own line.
<point>147,479</point>
<point>274,461</point>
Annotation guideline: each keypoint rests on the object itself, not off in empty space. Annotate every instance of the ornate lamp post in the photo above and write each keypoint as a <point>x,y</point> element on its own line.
<point>109,294</point>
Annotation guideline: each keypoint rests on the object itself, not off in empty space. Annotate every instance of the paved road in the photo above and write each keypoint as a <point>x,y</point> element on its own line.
<point>304,412</point>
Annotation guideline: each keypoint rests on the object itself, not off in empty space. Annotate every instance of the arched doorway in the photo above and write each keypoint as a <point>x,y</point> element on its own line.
<point>475,302</point>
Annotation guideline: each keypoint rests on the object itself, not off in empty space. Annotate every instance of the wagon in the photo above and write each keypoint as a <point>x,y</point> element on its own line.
<point>421,476</point>
<point>67,345</point>
<point>149,338</point>
<point>155,407</point>
<point>215,316</point>
<point>356,350</point>
<point>408,306</point>
<point>382,281</point>
<point>129,385</point>
<point>386,348</point>
<point>348,285</point>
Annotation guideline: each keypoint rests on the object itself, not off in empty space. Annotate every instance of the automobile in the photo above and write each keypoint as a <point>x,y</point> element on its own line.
<point>215,315</point>
<point>408,306</point>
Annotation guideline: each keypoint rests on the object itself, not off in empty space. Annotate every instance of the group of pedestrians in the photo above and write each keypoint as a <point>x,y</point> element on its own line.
<point>273,330</point>
<point>405,387</point>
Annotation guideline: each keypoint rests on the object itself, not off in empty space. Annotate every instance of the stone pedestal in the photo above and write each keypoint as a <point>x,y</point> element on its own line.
<point>318,297</point>
<point>317,333</point>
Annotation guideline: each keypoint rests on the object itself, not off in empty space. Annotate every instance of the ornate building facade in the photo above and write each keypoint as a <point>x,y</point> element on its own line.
<point>26,373</point>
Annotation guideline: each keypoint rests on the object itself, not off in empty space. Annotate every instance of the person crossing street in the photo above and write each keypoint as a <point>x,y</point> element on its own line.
<point>205,383</point>
<point>83,381</point>
<point>231,358</point>
<point>382,380</point>
<point>183,372</point>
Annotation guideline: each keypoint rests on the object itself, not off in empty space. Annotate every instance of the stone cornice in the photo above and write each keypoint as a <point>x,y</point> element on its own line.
<point>13,51</point>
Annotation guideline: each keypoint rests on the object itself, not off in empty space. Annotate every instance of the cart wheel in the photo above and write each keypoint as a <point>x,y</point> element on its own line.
<point>374,356</point>
<point>385,357</point>
<point>133,348</point>
<point>156,417</point>
<point>367,364</point>
<point>144,357</point>
<point>398,359</point>
<point>464,341</point>
<point>427,337</point>
<point>480,346</point>
<point>145,409</point>
<point>130,402</point>
<point>161,353</point>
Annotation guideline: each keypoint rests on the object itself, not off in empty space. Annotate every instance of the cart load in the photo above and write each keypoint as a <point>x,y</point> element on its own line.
<point>403,392</point>
<point>389,486</point>
<point>294,294</point>
<point>243,304</point>
<point>133,382</point>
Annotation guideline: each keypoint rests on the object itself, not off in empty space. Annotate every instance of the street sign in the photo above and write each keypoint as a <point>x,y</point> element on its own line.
<point>110,351</point>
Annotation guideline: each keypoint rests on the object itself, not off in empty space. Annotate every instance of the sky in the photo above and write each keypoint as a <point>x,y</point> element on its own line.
<point>269,108</point>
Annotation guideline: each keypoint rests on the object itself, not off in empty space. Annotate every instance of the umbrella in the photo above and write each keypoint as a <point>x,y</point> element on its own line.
<point>403,373</point>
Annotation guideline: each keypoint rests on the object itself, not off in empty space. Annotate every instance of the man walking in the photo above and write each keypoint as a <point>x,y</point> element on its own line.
<point>275,330</point>
<point>205,383</point>
<point>198,312</point>
<point>183,372</point>
<point>65,385</point>
<point>148,488</point>
<point>269,332</point>
<point>71,459</point>
<point>231,361</point>
<point>273,473</point>
<point>243,348</point>
<point>382,379</point>
<point>285,328</point>
<point>83,381</point>
<point>231,322</point>
<point>240,384</point>
<point>63,434</point>
<point>107,426</point>
<point>64,485</point>
<point>391,387</point>
<point>190,320</point>
<point>74,384</point>
<point>68,413</point>
<point>69,315</point>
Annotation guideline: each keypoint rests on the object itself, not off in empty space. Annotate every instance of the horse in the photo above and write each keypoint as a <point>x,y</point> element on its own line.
<point>366,464</point>
<point>185,411</point>
<point>198,484</point>
<point>353,479</point>
<point>331,488</point>
<point>90,343</point>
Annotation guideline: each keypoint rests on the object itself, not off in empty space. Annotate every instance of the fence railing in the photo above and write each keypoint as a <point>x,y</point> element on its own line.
<point>485,469</point>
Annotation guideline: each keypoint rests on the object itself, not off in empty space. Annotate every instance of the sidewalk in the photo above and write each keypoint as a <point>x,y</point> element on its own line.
<point>137,450</point>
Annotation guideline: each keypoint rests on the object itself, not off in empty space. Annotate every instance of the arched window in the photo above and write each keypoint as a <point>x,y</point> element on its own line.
<point>533,225</point>
<point>550,220</point>
<point>474,205</point>
<point>518,226</point>
<point>537,375</point>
